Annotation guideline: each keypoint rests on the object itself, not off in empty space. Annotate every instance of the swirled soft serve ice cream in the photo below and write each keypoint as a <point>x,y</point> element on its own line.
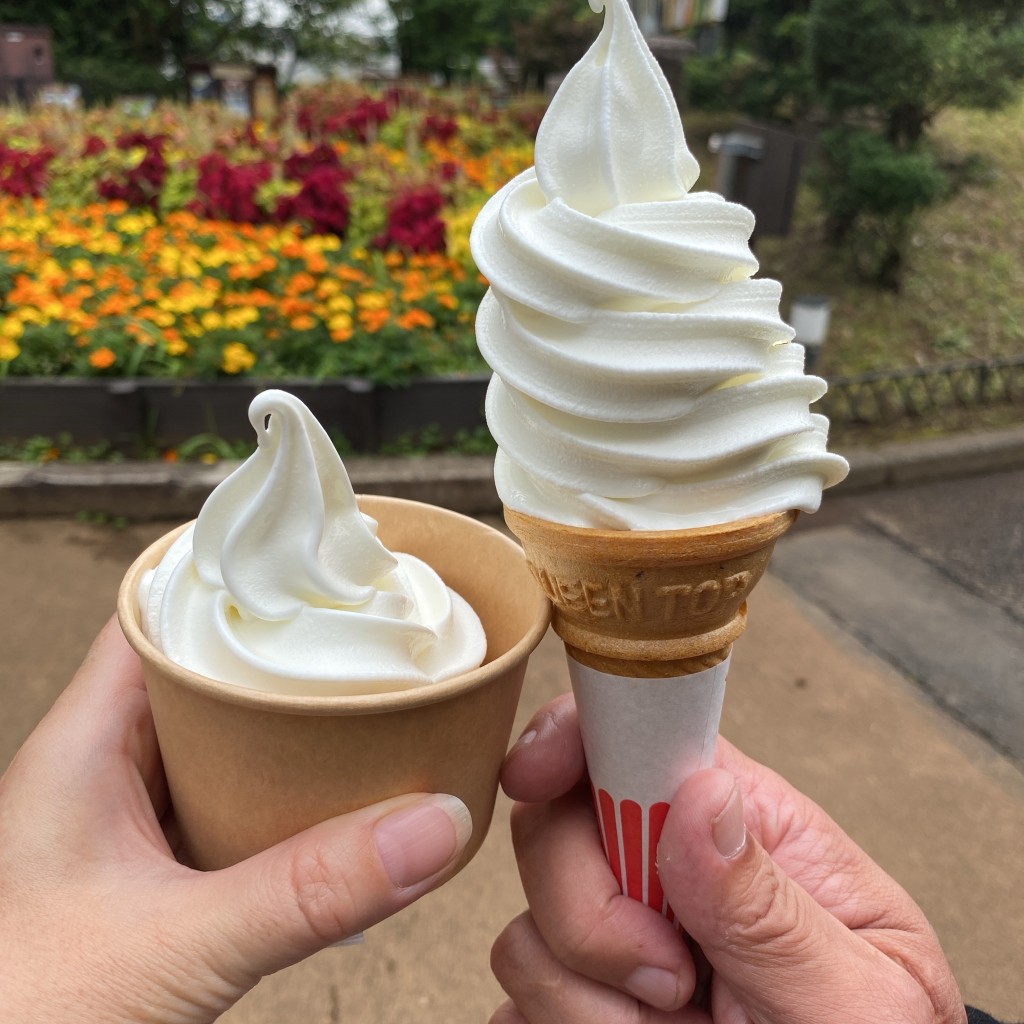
<point>282,584</point>
<point>643,379</point>
<point>653,422</point>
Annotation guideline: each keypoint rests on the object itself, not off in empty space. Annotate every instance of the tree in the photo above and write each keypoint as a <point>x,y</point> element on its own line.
<point>110,49</point>
<point>552,40</point>
<point>448,37</point>
<point>883,70</point>
<point>868,76</point>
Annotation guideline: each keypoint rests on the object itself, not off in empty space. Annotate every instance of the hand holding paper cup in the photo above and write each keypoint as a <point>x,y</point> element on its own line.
<point>298,670</point>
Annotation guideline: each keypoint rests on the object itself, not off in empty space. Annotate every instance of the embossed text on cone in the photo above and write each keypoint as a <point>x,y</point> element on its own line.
<point>649,603</point>
<point>648,620</point>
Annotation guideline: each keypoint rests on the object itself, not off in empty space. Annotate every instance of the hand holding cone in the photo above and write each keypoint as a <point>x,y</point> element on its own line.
<point>648,620</point>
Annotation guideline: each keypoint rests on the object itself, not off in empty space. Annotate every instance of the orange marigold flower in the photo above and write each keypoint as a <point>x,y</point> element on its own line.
<point>300,282</point>
<point>414,318</point>
<point>316,263</point>
<point>304,322</point>
<point>448,300</point>
<point>374,319</point>
<point>102,358</point>
<point>347,273</point>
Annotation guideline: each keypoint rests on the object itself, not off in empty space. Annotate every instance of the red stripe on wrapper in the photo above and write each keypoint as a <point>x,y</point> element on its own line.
<point>606,810</point>
<point>633,848</point>
<point>655,893</point>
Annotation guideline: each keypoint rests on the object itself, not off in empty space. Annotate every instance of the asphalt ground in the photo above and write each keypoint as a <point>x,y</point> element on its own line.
<point>936,800</point>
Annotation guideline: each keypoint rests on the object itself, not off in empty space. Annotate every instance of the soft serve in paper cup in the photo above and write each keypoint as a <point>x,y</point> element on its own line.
<point>283,585</point>
<point>308,651</point>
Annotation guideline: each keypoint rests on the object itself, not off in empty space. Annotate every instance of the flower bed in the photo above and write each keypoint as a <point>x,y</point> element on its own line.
<point>332,244</point>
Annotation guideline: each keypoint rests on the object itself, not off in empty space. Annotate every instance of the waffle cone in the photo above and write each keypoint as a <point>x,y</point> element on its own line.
<point>649,604</point>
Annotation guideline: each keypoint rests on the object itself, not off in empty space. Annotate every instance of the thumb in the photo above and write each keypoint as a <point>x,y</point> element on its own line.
<point>329,882</point>
<point>776,951</point>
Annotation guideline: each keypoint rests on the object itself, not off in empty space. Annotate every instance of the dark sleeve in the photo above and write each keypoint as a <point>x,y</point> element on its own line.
<point>978,1017</point>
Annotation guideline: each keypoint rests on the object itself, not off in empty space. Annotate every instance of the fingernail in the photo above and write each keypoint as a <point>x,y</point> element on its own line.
<point>654,986</point>
<point>419,841</point>
<point>728,830</point>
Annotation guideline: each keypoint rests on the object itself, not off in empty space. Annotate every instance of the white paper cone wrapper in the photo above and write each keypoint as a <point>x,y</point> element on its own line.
<point>643,738</point>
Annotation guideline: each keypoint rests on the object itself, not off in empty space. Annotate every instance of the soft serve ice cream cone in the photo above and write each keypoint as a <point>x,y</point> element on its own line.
<point>653,423</point>
<point>307,652</point>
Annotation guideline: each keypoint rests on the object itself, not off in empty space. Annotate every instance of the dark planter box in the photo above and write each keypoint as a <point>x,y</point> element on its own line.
<point>449,404</point>
<point>89,411</point>
<point>138,414</point>
<point>175,411</point>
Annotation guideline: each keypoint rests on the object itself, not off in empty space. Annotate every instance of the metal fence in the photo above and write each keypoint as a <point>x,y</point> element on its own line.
<point>892,395</point>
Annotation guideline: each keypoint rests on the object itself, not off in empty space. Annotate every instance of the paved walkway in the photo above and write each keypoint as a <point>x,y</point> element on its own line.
<point>936,805</point>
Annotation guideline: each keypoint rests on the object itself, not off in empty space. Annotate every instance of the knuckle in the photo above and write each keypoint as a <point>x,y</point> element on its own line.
<point>507,1013</point>
<point>583,934</point>
<point>323,895</point>
<point>508,948</point>
<point>768,916</point>
<point>524,821</point>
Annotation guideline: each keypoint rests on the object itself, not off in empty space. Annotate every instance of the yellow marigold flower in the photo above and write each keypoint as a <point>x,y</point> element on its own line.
<point>414,318</point>
<point>211,320</point>
<point>132,224</point>
<point>11,328</point>
<point>102,358</point>
<point>328,287</point>
<point>340,303</point>
<point>9,350</point>
<point>176,347</point>
<point>373,300</point>
<point>236,319</point>
<point>340,323</point>
<point>236,357</point>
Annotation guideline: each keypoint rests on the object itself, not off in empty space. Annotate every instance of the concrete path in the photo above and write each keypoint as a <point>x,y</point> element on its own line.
<point>938,806</point>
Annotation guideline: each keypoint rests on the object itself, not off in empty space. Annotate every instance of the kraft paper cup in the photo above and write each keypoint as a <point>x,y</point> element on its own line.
<point>247,769</point>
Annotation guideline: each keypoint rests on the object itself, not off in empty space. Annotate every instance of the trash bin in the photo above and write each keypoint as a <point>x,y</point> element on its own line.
<point>810,316</point>
<point>759,167</point>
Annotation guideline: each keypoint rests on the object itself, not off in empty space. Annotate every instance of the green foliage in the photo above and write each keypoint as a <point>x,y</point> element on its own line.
<point>874,74</point>
<point>868,174</point>
<point>448,37</point>
<point>179,187</point>
<point>870,190</point>
<point>62,448</point>
<point>112,49</point>
<point>765,70</point>
<point>205,445</point>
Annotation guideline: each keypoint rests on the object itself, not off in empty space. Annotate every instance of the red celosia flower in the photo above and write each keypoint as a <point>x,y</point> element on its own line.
<point>228,192</point>
<point>414,222</point>
<point>321,203</point>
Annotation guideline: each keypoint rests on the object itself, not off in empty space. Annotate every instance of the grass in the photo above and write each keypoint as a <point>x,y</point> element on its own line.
<point>961,296</point>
